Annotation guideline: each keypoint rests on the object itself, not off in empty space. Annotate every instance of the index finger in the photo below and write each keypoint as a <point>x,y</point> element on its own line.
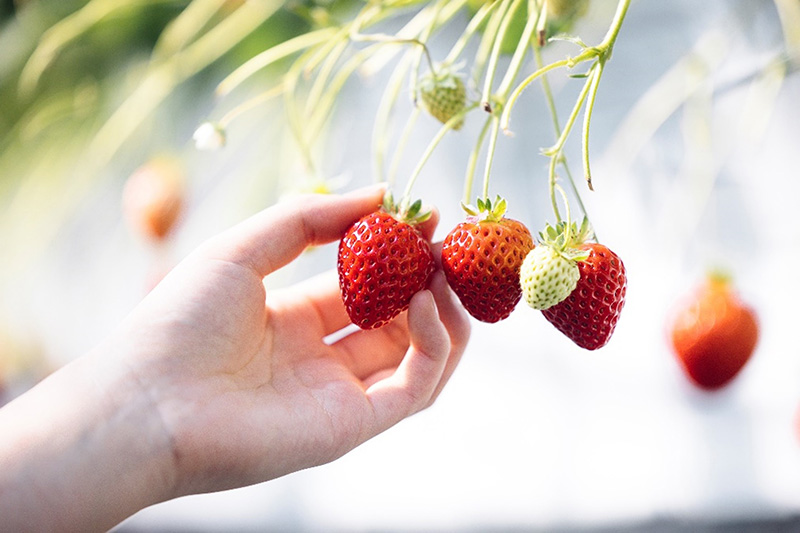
<point>272,238</point>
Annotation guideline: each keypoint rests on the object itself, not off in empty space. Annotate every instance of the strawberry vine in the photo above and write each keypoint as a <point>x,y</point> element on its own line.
<point>325,58</point>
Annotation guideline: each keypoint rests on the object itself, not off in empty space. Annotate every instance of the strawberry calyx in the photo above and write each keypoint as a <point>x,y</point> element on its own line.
<point>405,210</point>
<point>486,211</point>
<point>719,278</point>
<point>566,237</point>
<point>445,76</point>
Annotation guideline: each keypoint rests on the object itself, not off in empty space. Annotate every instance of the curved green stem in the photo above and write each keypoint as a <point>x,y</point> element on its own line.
<point>185,27</point>
<point>270,56</point>
<point>616,24</point>
<point>469,178</point>
<point>519,54</point>
<point>490,155</point>
<point>558,147</point>
<point>324,74</point>
<point>548,92</point>
<point>249,104</point>
<point>593,82</point>
<point>509,105</point>
<point>401,145</point>
<point>555,152</point>
<point>67,30</point>
<point>491,69</point>
<point>488,39</point>
<point>433,144</point>
<point>568,225</point>
<point>424,36</point>
<point>380,132</point>
<point>294,118</point>
<point>470,30</point>
<point>551,105</point>
<point>389,39</point>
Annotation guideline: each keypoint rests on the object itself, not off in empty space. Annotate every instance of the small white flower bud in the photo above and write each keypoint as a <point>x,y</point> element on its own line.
<point>209,136</point>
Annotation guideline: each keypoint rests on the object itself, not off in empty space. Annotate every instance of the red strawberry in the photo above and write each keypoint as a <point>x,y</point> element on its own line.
<point>714,334</point>
<point>797,423</point>
<point>590,313</point>
<point>481,259</point>
<point>152,198</point>
<point>383,261</point>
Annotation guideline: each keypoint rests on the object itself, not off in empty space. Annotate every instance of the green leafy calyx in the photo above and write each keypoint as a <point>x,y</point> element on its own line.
<point>405,210</point>
<point>487,210</point>
<point>565,238</point>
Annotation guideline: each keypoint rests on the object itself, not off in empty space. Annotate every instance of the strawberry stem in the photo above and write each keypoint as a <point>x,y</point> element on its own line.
<point>472,27</point>
<point>436,9</point>
<point>489,37</point>
<point>380,132</point>
<point>551,105</point>
<point>401,145</point>
<point>593,82</point>
<point>447,126</point>
<point>495,55</point>
<point>473,159</point>
<point>490,155</point>
<point>519,52</point>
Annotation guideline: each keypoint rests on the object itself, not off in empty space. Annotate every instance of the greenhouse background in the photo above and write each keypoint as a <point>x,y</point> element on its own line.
<point>694,148</point>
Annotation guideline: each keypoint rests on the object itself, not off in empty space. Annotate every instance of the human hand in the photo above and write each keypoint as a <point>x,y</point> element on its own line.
<point>248,392</point>
<point>213,382</point>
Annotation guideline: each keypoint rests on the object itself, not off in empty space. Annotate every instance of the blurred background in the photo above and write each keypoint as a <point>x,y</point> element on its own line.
<point>695,155</point>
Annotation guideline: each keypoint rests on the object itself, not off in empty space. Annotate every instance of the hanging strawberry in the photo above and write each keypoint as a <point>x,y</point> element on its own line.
<point>443,95</point>
<point>383,262</point>
<point>481,259</point>
<point>714,333</point>
<point>579,286</point>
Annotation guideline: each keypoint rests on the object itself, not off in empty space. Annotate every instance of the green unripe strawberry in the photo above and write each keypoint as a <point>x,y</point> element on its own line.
<point>443,95</point>
<point>550,272</point>
<point>547,277</point>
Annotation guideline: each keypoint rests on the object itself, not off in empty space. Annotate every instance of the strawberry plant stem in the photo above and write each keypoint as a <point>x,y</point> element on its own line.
<point>488,39</point>
<point>495,54</point>
<point>551,105</point>
<point>519,54</point>
<point>473,160</point>
<point>470,30</point>
<point>424,36</point>
<point>249,104</point>
<point>401,145</point>
<point>447,126</point>
<point>270,56</point>
<point>611,37</point>
<point>318,87</point>
<point>490,155</point>
<point>380,132</point>
<point>548,93</point>
<point>593,82</point>
<point>555,152</point>
<point>509,105</point>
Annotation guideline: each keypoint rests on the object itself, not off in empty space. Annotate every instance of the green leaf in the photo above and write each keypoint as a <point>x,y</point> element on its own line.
<point>388,202</point>
<point>423,217</point>
<point>500,208</point>
<point>413,211</point>
<point>470,210</point>
<point>570,39</point>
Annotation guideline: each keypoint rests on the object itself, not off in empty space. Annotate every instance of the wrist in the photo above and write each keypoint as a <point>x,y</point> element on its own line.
<point>86,449</point>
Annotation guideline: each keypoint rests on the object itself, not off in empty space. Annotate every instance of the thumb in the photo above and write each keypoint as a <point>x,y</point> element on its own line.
<point>272,238</point>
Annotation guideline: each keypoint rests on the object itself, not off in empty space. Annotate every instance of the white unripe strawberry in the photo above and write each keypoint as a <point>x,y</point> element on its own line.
<point>547,277</point>
<point>550,271</point>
